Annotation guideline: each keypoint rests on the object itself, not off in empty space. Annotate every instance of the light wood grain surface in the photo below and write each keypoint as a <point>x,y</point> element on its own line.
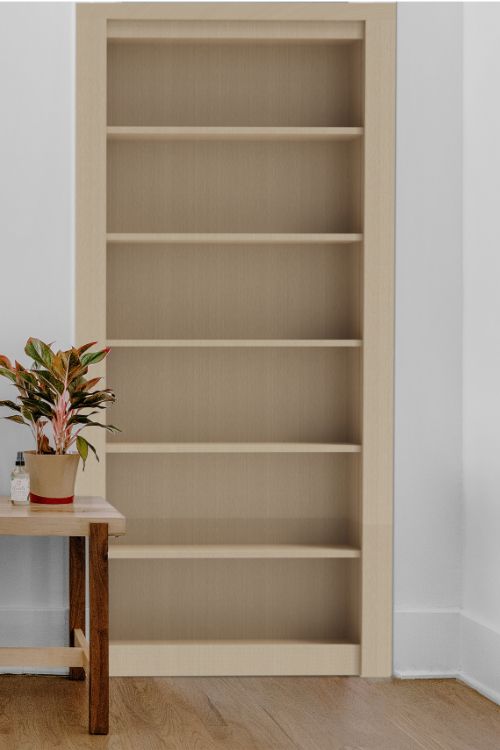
<point>161,133</point>
<point>245,84</point>
<point>229,552</point>
<point>234,343</point>
<point>233,186</point>
<point>236,395</point>
<point>196,498</point>
<point>247,600</point>
<point>16,520</point>
<point>250,714</point>
<point>205,658</point>
<point>223,238</point>
<point>226,291</point>
<point>49,656</point>
<point>233,447</point>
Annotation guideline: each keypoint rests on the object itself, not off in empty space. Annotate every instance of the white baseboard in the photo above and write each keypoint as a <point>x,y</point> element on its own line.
<point>480,648</point>
<point>426,643</point>
<point>479,687</point>
<point>447,643</point>
<point>419,674</point>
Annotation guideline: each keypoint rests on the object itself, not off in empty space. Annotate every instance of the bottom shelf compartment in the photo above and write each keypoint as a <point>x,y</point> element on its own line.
<point>312,600</point>
<point>237,658</point>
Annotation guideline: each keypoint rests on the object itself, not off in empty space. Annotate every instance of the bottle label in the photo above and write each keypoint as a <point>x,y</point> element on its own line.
<point>20,489</point>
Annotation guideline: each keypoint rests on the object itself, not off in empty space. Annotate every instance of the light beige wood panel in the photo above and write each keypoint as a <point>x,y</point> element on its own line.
<point>216,31</point>
<point>243,186</point>
<point>90,218</point>
<point>232,447</point>
<point>145,133</point>
<point>241,599</point>
<point>231,343</point>
<point>51,656</point>
<point>236,498</point>
<point>233,291</point>
<point>224,658</point>
<point>30,520</point>
<point>242,395</point>
<point>256,11</point>
<point>378,334</point>
<point>224,238</point>
<point>243,83</point>
<point>83,643</point>
<point>231,552</point>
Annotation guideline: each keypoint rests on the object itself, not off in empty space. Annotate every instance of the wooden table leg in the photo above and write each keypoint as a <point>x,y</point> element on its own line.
<point>76,596</point>
<point>99,629</point>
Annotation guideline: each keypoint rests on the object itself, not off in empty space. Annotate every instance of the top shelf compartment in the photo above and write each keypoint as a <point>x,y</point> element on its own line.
<point>235,84</point>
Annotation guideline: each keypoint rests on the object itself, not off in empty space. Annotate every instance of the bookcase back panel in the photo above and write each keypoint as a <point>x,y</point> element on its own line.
<point>244,600</point>
<point>239,84</point>
<point>234,186</point>
<point>233,291</point>
<point>236,499</point>
<point>241,395</point>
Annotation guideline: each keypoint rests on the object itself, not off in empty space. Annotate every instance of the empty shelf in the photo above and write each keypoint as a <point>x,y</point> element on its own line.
<point>229,551</point>
<point>232,448</point>
<point>231,238</point>
<point>249,343</point>
<point>232,133</point>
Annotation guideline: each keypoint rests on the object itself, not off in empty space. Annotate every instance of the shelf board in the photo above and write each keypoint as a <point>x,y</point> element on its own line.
<point>218,31</point>
<point>222,658</point>
<point>229,551</point>
<point>232,343</point>
<point>232,448</point>
<point>231,133</point>
<point>224,238</point>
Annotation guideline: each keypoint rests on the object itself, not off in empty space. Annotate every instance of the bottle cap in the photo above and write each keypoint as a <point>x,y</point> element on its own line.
<point>20,458</point>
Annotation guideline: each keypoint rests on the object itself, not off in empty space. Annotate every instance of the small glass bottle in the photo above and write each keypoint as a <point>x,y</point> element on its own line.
<point>20,482</point>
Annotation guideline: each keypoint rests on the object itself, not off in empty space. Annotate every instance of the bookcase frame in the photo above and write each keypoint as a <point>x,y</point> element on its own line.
<point>369,652</point>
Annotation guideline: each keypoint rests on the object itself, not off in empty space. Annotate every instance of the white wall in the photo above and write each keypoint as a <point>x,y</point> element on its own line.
<point>36,251</point>
<point>428,428</point>
<point>481,597</point>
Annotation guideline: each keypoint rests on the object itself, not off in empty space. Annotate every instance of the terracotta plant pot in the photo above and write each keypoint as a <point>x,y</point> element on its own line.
<point>52,478</point>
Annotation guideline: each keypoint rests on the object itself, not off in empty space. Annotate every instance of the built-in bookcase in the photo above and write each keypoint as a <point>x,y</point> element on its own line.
<point>235,249</point>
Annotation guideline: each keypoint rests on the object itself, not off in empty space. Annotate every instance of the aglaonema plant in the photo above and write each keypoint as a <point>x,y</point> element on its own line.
<point>55,397</point>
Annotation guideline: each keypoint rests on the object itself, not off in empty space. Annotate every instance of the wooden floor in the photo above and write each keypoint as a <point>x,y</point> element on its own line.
<point>250,714</point>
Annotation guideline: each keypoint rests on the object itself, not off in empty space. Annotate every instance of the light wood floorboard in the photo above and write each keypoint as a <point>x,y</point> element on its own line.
<point>250,714</point>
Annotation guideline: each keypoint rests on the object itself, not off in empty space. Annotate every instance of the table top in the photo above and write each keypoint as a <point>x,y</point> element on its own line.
<point>74,520</point>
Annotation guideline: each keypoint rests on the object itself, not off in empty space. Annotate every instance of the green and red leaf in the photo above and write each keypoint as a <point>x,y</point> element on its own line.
<point>92,358</point>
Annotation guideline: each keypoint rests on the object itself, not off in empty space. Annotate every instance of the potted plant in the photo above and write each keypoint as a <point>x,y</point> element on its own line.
<point>57,401</point>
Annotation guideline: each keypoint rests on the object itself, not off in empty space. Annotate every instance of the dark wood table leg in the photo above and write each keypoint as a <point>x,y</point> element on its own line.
<point>76,596</point>
<point>99,629</point>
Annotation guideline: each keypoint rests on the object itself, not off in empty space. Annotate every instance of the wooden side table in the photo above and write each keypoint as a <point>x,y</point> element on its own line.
<point>95,518</point>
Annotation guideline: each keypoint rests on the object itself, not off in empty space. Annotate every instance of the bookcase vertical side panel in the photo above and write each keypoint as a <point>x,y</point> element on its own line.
<point>91,209</point>
<point>378,348</point>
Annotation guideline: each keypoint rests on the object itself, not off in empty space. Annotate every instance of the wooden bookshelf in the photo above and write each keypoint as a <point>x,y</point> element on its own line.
<point>235,249</point>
